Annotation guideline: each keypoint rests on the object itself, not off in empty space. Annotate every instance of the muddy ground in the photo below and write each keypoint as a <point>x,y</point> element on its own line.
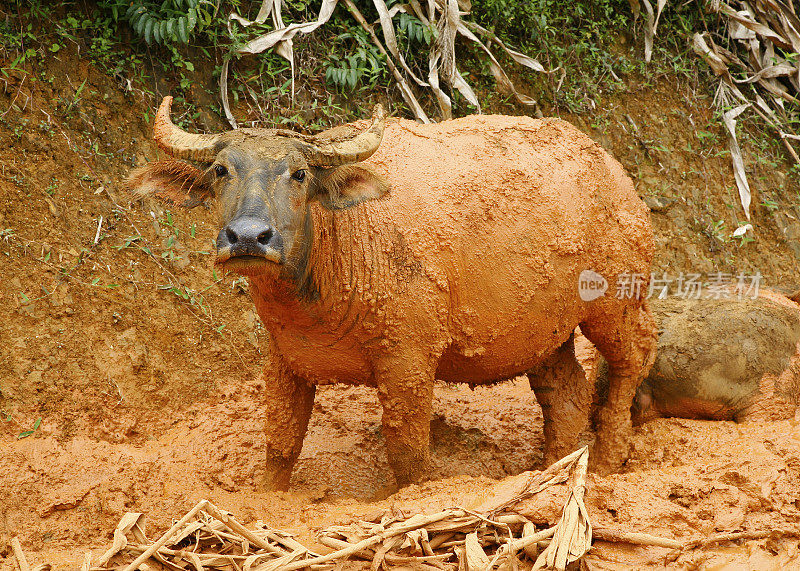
<point>134,369</point>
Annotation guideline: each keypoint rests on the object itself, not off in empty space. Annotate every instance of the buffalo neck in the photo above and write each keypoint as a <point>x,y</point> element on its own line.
<point>340,257</point>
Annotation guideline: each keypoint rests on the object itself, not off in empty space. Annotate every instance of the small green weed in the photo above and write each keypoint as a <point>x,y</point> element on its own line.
<point>71,103</point>
<point>716,231</point>
<point>26,433</point>
<point>52,187</point>
<point>770,204</point>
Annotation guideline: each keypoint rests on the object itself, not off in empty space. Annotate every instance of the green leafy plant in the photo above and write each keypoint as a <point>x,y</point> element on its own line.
<point>414,30</point>
<point>18,41</point>
<point>365,64</point>
<point>167,22</point>
<point>716,231</point>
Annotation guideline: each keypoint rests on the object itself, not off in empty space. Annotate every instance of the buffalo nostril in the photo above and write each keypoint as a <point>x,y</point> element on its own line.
<point>265,237</point>
<point>231,235</point>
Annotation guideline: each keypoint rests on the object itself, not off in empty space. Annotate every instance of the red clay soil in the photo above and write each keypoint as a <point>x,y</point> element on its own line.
<point>144,370</point>
<point>685,479</point>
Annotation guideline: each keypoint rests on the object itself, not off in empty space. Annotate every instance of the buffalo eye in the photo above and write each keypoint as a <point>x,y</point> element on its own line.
<point>220,170</point>
<point>299,175</point>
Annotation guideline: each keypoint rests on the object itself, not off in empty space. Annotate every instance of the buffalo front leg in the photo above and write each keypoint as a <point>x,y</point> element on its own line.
<point>565,397</point>
<point>288,403</point>
<point>406,393</point>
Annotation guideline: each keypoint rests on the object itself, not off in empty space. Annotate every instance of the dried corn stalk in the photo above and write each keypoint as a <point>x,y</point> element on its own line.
<point>209,539</point>
<point>729,118</point>
<point>573,533</point>
<point>206,538</point>
<point>763,74</point>
<point>446,15</point>
<point>486,539</point>
<point>494,537</point>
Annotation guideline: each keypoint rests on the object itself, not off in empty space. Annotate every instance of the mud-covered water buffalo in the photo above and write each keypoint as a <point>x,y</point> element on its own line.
<point>391,254</point>
<point>732,358</point>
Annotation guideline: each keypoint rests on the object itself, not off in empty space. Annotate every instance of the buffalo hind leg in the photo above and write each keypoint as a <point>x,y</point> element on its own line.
<point>565,397</point>
<point>627,340</point>
<point>289,400</point>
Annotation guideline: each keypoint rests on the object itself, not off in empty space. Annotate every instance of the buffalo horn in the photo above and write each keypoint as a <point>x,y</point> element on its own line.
<point>176,142</point>
<point>352,149</point>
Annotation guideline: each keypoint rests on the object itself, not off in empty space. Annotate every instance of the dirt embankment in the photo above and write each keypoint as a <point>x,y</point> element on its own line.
<point>143,365</point>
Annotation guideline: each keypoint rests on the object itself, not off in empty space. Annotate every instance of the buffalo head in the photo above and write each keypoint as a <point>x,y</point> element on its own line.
<point>263,182</point>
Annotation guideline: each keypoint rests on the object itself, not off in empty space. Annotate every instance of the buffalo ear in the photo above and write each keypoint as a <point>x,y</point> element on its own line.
<point>171,180</point>
<point>348,185</point>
